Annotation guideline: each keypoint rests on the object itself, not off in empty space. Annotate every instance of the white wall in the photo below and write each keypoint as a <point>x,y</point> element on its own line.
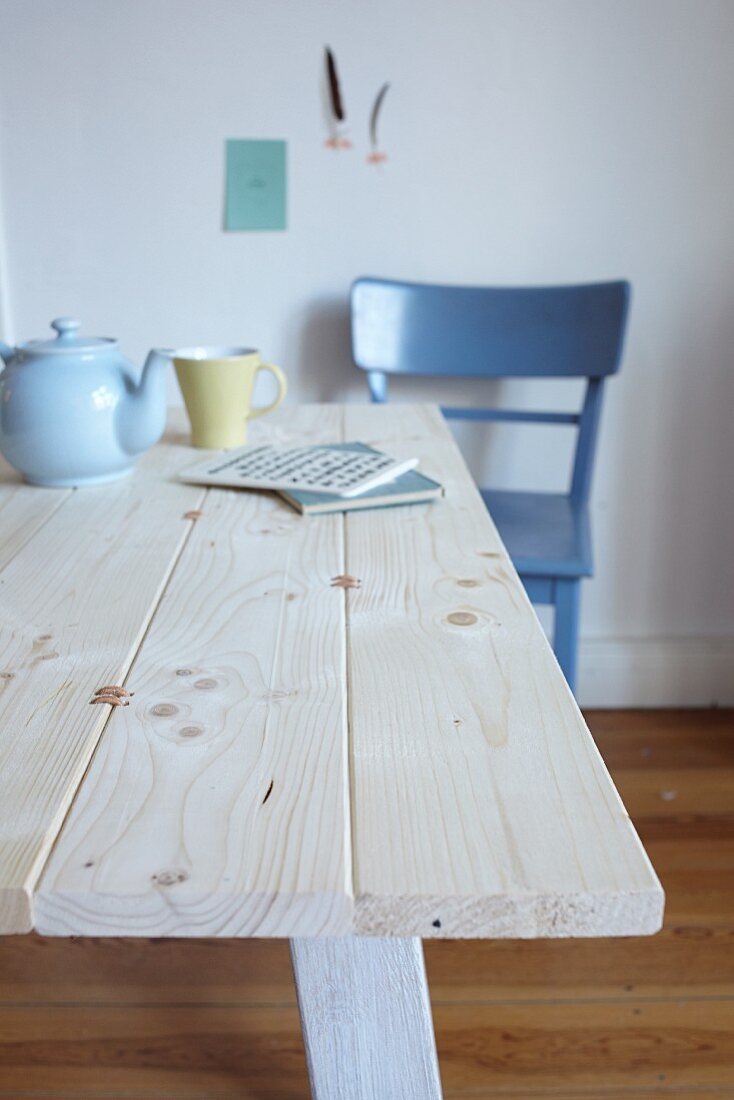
<point>529,141</point>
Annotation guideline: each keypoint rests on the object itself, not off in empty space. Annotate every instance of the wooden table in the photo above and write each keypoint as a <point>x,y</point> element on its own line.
<point>345,730</point>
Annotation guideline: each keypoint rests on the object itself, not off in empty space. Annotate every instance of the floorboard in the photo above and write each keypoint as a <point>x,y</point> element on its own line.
<point>582,1019</point>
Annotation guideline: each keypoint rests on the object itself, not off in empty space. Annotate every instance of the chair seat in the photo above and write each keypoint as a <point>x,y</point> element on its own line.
<point>546,534</point>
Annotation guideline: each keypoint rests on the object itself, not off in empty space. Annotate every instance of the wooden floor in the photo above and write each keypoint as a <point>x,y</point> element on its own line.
<point>583,1020</point>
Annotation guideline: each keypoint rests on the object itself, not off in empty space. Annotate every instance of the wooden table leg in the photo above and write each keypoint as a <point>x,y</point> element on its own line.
<point>366,1018</point>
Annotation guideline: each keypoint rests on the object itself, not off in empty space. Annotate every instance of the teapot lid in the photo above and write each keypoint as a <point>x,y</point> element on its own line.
<point>67,339</point>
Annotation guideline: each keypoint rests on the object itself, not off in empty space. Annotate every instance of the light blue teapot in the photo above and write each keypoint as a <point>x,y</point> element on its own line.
<point>73,411</point>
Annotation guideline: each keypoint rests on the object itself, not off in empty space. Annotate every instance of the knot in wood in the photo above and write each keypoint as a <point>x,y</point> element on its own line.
<point>462,618</point>
<point>164,710</point>
<point>169,878</point>
<point>114,689</point>
<point>110,700</point>
<point>191,731</point>
<point>344,580</point>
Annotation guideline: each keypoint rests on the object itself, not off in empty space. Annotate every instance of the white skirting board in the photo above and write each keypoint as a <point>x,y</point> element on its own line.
<point>656,672</point>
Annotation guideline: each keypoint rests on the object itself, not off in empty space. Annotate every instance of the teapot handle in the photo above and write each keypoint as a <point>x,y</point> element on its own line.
<point>6,353</point>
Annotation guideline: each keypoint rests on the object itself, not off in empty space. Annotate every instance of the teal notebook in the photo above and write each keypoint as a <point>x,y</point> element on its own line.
<point>408,488</point>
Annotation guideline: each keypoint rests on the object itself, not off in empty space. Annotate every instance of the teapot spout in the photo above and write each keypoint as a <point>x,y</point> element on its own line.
<point>142,414</point>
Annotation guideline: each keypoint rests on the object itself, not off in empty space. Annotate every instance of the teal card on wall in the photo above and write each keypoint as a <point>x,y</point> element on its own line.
<point>255,193</point>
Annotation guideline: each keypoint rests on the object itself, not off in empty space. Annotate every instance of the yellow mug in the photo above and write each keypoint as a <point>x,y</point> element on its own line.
<point>217,385</point>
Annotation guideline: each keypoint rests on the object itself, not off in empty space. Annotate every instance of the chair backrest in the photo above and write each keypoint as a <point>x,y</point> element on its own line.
<point>495,332</point>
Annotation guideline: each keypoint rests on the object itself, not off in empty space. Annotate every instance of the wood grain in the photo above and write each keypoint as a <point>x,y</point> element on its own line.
<point>598,1092</point>
<point>366,1018</point>
<point>657,739</point>
<point>685,963</point>
<point>689,960</point>
<point>587,1046</point>
<point>480,804</point>
<point>684,960</point>
<point>255,1052</point>
<point>76,600</point>
<point>217,803</point>
<point>676,793</point>
<point>23,510</point>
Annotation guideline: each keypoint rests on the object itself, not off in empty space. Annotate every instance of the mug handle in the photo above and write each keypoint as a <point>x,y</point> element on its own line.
<point>282,390</point>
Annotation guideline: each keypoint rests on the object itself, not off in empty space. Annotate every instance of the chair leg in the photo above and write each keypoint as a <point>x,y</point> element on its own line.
<point>566,627</point>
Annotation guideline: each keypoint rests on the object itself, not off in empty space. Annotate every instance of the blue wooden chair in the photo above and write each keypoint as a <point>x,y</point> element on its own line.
<point>533,332</point>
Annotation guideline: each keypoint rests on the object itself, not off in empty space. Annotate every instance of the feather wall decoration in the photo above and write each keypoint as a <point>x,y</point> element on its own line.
<point>376,157</point>
<point>337,114</point>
